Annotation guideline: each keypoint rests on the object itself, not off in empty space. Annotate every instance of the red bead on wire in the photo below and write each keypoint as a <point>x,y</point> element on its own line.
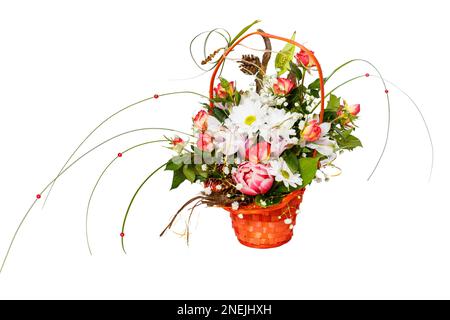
<point>156,96</point>
<point>119,155</point>
<point>367,75</point>
<point>386,91</point>
<point>122,234</point>
<point>38,196</point>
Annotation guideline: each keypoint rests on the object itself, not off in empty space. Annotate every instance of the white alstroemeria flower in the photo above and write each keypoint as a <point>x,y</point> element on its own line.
<point>249,116</point>
<point>280,170</point>
<point>278,144</point>
<point>228,141</point>
<point>213,124</point>
<point>312,139</point>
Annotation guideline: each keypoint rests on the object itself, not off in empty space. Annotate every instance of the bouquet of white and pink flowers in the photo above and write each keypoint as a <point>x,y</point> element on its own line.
<point>257,148</point>
<point>254,149</point>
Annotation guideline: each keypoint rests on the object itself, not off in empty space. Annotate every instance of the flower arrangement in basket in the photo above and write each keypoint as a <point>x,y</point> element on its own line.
<point>254,149</point>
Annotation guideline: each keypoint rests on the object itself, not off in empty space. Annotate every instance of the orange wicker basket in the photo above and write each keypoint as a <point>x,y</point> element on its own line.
<point>270,227</point>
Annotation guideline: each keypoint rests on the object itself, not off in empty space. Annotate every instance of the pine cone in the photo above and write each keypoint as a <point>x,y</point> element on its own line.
<point>249,64</point>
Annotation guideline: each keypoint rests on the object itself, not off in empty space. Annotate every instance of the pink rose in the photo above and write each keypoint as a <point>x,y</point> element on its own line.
<point>304,59</point>
<point>312,131</point>
<point>283,86</point>
<point>221,92</point>
<point>259,152</point>
<point>252,179</point>
<point>205,142</point>
<point>201,120</point>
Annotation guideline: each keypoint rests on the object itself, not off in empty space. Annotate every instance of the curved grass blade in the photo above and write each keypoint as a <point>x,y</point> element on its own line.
<point>98,181</point>
<point>65,170</point>
<point>243,31</point>
<point>109,118</point>
<point>132,200</point>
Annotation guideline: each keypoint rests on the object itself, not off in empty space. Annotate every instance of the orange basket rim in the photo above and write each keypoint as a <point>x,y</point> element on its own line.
<point>256,209</point>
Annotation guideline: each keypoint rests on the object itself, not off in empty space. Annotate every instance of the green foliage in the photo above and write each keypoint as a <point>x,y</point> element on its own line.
<point>291,160</point>
<point>219,114</point>
<point>189,172</point>
<point>243,31</point>
<point>178,178</point>
<point>308,169</point>
<point>266,200</point>
<point>200,172</point>
<point>284,57</point>
<point>315,84</point>
<point>348,141</point>
<point>296,70</point>
<point>177,162</point>
<point>333,103</point>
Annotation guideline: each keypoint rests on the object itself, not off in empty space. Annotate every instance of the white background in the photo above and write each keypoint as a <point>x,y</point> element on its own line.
<point>67,65</point>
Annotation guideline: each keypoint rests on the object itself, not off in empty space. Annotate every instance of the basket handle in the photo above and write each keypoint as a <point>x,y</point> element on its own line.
<point>267,35</point>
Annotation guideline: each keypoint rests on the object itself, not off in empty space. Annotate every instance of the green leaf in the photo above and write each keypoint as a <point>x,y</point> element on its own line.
<point>177,162</point>
<point>243,31</point>
<point>315,84</point>
<point>284,57</point>
<point>219,114</point>
<point>291,160</point>
<point>178,178</point>
<point>350,142</point>
<point>224,83</point>
<point>189,172</point>
<point>333,103</point>
<point>200,172</point>
<point>296,70</point>
<point>308,169</point>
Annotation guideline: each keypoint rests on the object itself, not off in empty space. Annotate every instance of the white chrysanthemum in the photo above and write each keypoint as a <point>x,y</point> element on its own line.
<point>280,170</point>
<point>249,116</point>
<point>281,122</point>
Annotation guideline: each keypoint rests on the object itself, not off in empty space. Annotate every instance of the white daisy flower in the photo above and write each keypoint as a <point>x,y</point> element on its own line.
<point>207,191</point>
<point>219,187</point>
<point>204,167</point>
<point>249,116</point>
<point>226,170</point>
<point>280,170</point>
<point>235,205</point>
<point>288,221</point>
<point>239,186</point>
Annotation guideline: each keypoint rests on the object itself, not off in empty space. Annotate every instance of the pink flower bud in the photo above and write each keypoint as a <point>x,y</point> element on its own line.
<point>176,141</point>
<point>221,92</point>
<point>283,86</point>
<point>205,142</point>
<point>304,59</point>
<point>312,131</point>
<point>353,109</point>
<point>253,178</point>
<point>201,120</point>
<point>259,152</point>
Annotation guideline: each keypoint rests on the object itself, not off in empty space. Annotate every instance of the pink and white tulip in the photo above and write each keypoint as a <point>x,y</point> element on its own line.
<point>312,131</point>
<point>253,179</point>
<point>201,120</point>
<point>283,86</point>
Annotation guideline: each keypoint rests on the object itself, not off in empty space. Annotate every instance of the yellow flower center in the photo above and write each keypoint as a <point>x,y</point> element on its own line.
<point>249,120</point>
<point>285,174</point>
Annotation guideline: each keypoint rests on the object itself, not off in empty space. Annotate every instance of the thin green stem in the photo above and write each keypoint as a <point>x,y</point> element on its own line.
<point>337,87</point>
<point>97,183</point>
<point>65,170</point>
<point>132,200</point>
<point>109,118</point>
